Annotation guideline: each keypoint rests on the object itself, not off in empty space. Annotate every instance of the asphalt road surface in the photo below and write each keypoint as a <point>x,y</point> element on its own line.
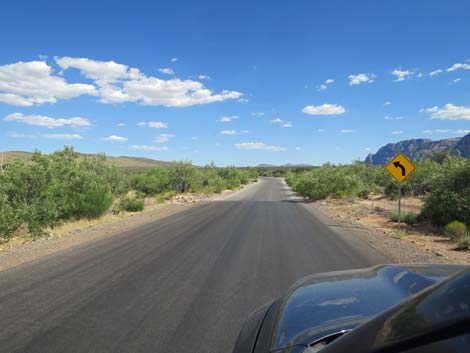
<point>180,284</point>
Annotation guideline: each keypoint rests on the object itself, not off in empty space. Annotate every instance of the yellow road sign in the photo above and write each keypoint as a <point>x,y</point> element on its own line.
<point>400,167</point>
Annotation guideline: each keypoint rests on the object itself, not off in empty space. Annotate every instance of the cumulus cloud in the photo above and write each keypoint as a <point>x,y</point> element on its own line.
<point>398,132</point>
<point>120,124</point>
<point>402,75</point>
<point>324,109</point>
<point>166,71</point>
<point>118,83</point>
<point>277,121</point>
<point>228,119</point>
<point>116,138</point>
<point>325,85</point>
<point>173,60</point>
<point>387,103</point>
<point>448,112</point>
<point>45,121</point>
<point>48,136</point>
<point>258,146</point>
<point>162,138</point>
<point>204,77</point>
<point>287,124</point>
<point>149,148</point>
<point>29,83</point>
<point>459,66</point>
<point>435,72</point>
<point>360,78</point>
<point>153,124</point>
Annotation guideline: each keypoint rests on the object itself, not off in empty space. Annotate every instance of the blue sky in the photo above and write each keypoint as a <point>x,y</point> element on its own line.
<point>241,83</point>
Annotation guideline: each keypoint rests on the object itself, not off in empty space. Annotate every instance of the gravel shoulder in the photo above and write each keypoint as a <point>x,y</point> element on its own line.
<point>22,249</point>
<point>367,219</point>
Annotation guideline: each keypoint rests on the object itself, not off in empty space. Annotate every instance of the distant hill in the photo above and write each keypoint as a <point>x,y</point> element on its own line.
<point>288,165</point>
<point>124,162</point>
<point>421,148</point>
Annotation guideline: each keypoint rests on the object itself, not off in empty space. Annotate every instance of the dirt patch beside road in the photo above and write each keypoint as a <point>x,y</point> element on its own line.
<point>421,243</point>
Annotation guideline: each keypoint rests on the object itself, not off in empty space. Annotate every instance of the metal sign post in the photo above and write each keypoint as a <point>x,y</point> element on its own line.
<point>400,168</point>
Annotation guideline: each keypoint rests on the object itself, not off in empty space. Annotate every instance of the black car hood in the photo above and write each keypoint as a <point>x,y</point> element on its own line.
<point>329,303</point>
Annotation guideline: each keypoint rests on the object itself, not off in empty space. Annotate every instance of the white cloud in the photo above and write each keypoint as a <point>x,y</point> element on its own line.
<point>48,136</point>
<point>459,66</point>
<point>149,148</point>
<point>457,80</point>
<point>277,121</point>
<point>119,83</point>
<point>154,124</point>
<point>243,100</point>
<point>204,77</point>
<point>173,60</point>
<point>29,83</point>
<point>166,71</point>
<point>45,121</point>
<point>229,132</point>
<point>227,119</point>
<point>116,138</point>
<point>257,114</point>
<point>449,112</point>
<point>402,75</point>
<point>162,138</point>
<point>298,148</point>
<point>398,132</point>
<point>288,124</point>
<point>258,146</point>
<point>435,72</point>
<point>324,109</point>
<point>120,124</point>
<point>447,131</point>
<point>324,85</point>
<point>321,130</point>
<point>347,131</point>
<point>387,103</point>
<point>360,78</point>
<point>394,118</point>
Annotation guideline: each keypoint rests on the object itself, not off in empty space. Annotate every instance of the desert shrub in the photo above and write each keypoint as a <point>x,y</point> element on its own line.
<point>152,182</point>
<point>449,199</point>
<point>182,176</point>
<point>408,217</point>
<point>52,189</point>
<point>131,204</point>
<point>464,242</point>
<point>456,229</point>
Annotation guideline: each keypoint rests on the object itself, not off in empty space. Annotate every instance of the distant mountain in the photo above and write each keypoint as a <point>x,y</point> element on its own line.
<point>124,162</point>
<point>421,148</point>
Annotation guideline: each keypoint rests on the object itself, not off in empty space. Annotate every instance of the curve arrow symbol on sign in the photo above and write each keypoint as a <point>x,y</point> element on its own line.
<point>399,165</point>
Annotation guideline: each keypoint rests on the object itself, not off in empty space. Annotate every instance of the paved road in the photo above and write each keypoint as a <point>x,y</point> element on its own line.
<point>181,284</point>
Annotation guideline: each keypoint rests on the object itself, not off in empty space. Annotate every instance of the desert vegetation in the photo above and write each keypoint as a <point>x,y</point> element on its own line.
<point>50,189</point>
<point>443,184</point>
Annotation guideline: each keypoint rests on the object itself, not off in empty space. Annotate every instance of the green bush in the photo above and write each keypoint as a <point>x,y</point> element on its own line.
<point>131,204</point>
<point>408,217</point>
<point>456,229</point>
<point>449,199</point>
<point>464,242</point>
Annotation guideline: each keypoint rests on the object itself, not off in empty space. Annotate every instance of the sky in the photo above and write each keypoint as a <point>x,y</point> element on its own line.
<point>234,82</point>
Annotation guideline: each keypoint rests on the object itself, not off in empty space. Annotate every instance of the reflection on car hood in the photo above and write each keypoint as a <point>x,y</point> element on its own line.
<point>327,303</point>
